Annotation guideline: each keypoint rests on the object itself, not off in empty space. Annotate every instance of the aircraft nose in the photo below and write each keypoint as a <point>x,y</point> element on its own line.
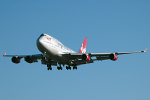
<point>41,38</point>
<point>40,44</point>
<point>39,41</point>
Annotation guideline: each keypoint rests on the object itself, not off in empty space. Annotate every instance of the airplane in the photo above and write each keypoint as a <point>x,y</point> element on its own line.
<point>54,53</point>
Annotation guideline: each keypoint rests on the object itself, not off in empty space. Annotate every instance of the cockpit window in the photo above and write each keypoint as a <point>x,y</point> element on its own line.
<point>43,35</point>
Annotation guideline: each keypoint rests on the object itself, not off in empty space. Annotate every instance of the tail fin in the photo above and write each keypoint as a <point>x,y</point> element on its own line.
<point>83,47</point>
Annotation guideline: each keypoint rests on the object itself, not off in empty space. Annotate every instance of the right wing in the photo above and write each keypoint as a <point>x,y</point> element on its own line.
<point>30,58</point>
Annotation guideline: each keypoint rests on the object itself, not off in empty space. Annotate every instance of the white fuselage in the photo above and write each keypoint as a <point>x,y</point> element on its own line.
<point>52,48</point>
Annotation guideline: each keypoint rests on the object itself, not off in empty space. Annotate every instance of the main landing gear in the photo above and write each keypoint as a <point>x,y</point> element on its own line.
<point>49,67</point>
<point>75,67</point>
<point>59,67</point>
<point>69,68</point>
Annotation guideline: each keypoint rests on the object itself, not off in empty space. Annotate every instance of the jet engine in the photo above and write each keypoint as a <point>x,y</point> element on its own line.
<point>113,57</point>
<point>29,59</point>
<point>86,57</point>
<point>15,60</point>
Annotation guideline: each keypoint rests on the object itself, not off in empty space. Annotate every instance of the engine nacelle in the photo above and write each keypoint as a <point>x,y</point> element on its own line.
<point>29,59</point>
<point>86,57</point>
<point>113,57</point>
<point>15,60</point>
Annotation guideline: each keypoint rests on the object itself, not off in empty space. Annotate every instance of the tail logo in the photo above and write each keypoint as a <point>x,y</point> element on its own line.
<point>82,50</point>
<point>83,47</point>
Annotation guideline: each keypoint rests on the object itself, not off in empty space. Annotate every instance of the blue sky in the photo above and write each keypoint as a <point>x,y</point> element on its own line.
<point>111,26</point>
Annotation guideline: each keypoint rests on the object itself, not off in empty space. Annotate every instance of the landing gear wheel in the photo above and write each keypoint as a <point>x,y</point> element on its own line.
<point>49,67</point>
<point>74,67</point>
<point>59,68</point>
<point>68,67</point>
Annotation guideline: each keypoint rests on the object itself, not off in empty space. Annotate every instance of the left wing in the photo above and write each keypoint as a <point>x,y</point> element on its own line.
<point>112,56</point>
<point>117,53</point>
<point>83,58</point>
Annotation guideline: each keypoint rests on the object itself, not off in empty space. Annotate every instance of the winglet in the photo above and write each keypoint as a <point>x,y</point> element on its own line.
<point>4,54</point>
<point>145,50</point>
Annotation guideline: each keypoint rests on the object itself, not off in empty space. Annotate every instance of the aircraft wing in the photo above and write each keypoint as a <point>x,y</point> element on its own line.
<point>31,58</point>
<point>28,58</point>
<point>38,56</point>
<point>82,58</point>
<point>112,56</point>
<point>117,53</point>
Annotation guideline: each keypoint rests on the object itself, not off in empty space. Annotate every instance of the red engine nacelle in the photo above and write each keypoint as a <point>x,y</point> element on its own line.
<point>86,57</point>
<point>15,60</point>
<point>113,57</point>
<point>29,59</point>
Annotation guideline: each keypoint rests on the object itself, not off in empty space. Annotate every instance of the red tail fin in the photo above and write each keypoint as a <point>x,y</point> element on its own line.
<point>83,47</point>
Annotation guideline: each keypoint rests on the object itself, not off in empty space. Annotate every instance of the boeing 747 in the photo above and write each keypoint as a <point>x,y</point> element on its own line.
<point>53,52</point>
